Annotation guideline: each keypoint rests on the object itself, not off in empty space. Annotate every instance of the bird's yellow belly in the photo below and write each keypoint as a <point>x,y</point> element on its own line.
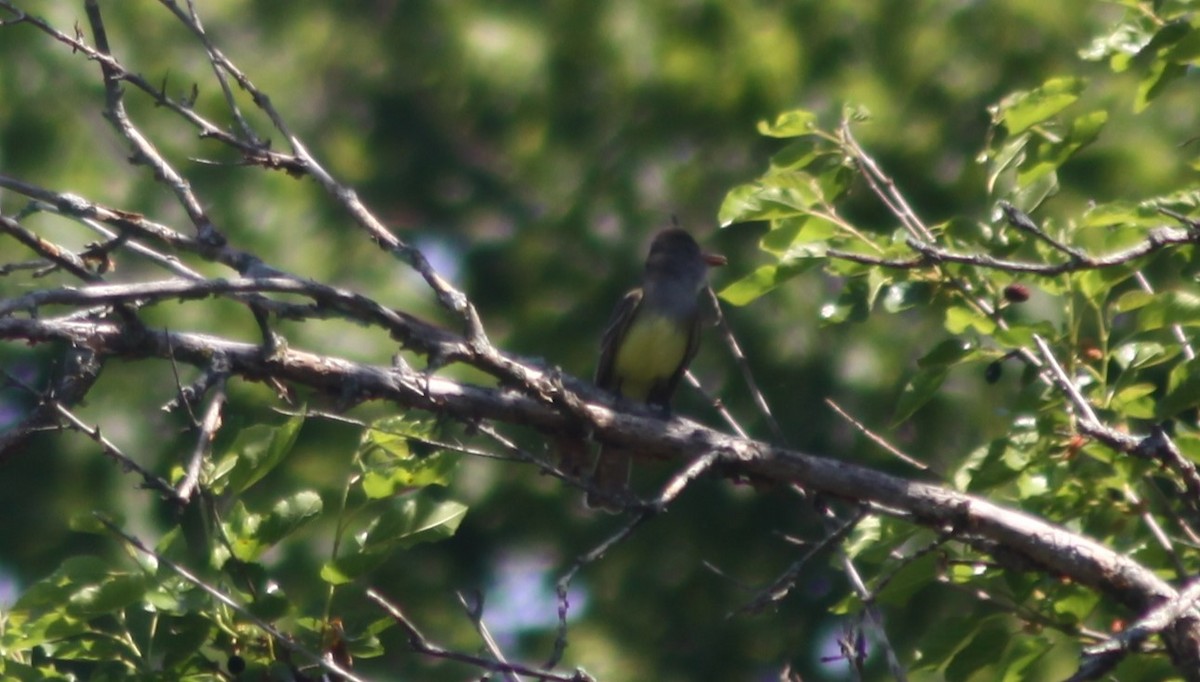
<point>653,349</point>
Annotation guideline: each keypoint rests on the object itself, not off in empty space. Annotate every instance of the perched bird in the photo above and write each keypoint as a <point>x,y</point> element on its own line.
<point>652,336</point>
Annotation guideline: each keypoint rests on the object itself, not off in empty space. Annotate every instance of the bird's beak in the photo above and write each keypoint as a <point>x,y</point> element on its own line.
<point>714,259</point>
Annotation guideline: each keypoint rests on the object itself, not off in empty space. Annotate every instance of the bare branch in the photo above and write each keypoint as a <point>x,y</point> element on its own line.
<point>1100,659</point>
<point>204,439</point>
<point>1039,542</point>
<point>51,252</point>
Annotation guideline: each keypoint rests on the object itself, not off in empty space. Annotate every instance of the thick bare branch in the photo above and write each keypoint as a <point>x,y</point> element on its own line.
<point>971,519</point>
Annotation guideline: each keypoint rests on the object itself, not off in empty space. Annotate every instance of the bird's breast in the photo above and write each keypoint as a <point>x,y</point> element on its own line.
<point>652,350</point>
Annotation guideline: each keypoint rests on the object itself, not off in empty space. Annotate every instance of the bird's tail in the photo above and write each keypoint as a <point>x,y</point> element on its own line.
<point>610,480</point>
<point>574,456</point>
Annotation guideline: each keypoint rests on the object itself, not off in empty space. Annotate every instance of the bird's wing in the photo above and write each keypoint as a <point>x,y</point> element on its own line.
<point>618,324</point>
<point>662,397</point>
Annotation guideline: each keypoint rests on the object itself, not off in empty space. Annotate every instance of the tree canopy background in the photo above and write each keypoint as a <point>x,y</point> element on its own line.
<point>530,149</point>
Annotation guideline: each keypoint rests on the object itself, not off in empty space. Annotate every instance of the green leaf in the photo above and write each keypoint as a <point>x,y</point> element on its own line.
<point>19,672</point>
<point>288,515</point>
<point>947,353</point>
<point>351,566</point>
<point>799,154</point>
<point>396,456</point>
<point>241,527</point>
<point>800,237</point>
<point>87,522</point>
<point>1029,196</point>
<point>58,606</point>
<point>1051,154</point>
<point>780,195</point>
<point>1003,165</point>
<point>852,304</point>
<point>1142,354</point>
<point>864,536</point>
<point>913,577</point>
<point>1124,214</point>
<point>987,467</point>
<point>960,318</point>
<point>252,534</point>
<point>1170,308</point>
<point>113,593</point>
<point>1021,653</point>
<point>1097,285</point>
<point>940,643</point>
<point>989,638</point>
<point>1161,75</point>
<point>178,639</point>
<point>1025,109</point>
<point>919,390</point>
<point>1134,401</point>
<point>1132,300</point>
<point>1076,605</point>
<point>1183,390</point>
<point>404,522</point>
<point>789,124</point>
<point>259,449</point>
<point>270,605</point>
<point>112,655</point>
<point>413,520</point>
<point>763,280</point>
<point>901,296</point>
<point>1021,335</point>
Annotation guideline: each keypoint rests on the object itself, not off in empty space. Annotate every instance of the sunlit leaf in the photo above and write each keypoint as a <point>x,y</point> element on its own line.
<point>789,124</point>
<point>960,318</point>
<point>1169,308</point>
<point>1022,110</point>
<point>415,519</point>
<point>851,305</point>
<point>947,353</point>
<point>288,515</point>
<point>918,391</point>
<point>1160,76</point>
<point>396,455</point>
<point>798,237</point>
<point>259,449</point>
<point>1183,390</point>
<point>1134,401</point>
<point>763,280</point>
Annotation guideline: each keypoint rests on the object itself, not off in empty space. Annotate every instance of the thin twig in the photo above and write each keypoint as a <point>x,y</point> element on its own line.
<point>54,253</point>
<point>874,617</point>
<point>475,614</point>
<point>143,150</point>
<point>880,440</point>
<point>421,644</point>
<point>743,364</point>
<point>208,432</point>
<point>783,584</point>
<point>564,583</point>
<point>1021,220</point>
<point>1156,531</point>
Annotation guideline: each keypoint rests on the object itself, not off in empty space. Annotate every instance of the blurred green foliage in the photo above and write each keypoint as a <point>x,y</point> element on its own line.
<point>531,148</point>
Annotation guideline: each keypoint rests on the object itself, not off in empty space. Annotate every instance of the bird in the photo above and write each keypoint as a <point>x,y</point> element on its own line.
<point>651,337</point>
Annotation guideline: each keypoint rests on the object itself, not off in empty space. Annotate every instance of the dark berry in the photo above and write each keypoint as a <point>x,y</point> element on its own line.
<point>993,371</point>
<point>1016,293</point>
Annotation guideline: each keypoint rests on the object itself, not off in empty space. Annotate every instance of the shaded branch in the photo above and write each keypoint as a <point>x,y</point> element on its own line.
<point>973,519</point>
